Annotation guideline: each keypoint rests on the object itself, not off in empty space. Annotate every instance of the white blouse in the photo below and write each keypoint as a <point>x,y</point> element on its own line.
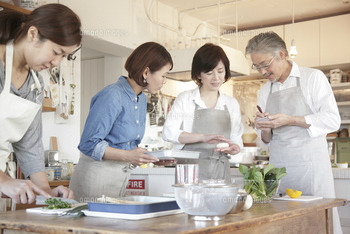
<point>319,96</point>
<point>180,117</point>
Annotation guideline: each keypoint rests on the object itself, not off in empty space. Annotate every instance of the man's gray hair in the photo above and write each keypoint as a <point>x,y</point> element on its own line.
<point>267,42</point>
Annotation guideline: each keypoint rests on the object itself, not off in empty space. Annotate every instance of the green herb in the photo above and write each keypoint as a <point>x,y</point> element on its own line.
<point>53,203</point>
<point>261,183</point>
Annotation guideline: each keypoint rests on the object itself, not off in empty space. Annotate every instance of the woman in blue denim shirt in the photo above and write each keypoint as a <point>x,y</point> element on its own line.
<point>116,124</point>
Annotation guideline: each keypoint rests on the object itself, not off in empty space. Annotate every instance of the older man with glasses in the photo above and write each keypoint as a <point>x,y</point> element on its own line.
<point>301,109</point>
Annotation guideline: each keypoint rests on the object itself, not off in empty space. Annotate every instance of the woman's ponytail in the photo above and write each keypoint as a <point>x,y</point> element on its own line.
<point>10,24</point>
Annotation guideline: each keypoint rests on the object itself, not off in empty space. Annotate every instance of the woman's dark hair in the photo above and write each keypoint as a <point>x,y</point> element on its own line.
<point>55,22</point>
<point>151,55</point>
<point>206,59</point>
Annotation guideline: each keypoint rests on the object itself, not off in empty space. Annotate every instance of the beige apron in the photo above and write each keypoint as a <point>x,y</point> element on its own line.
<point>92,179</point>
<point>306,159</point>
<point>212,165</point>
<point>16,113</point>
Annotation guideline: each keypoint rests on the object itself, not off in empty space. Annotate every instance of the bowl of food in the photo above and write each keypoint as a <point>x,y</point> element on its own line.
<point>205,201</point>
<point>262,183</point>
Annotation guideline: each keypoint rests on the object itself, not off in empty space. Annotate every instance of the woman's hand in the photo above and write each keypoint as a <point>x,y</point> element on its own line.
<point>213,139</point>
<point>21,191</point>
<point>138,157</point>
<point>63,192</point>
<point>231,148</point>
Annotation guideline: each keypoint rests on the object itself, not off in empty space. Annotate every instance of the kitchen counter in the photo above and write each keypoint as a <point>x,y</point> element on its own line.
<point>275,217</point>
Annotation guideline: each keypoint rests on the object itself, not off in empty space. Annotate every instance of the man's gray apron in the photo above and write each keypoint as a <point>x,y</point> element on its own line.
<point>306,159</point>
<point>212,165</point>
<point>92,179</point>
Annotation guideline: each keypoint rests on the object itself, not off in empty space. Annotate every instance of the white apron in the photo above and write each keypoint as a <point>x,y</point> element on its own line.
<point>92,179</point>
<point>305,158</point>
<point>16,113</point>
<point>212,165</point>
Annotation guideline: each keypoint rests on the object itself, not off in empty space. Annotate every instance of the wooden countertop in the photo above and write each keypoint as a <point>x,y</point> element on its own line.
<point>302,217</point>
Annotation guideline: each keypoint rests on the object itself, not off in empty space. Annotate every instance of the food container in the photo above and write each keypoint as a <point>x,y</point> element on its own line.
<point>135,205</point>
<point>342,165</point>
<point>205,201</point>
<point>262,192</point>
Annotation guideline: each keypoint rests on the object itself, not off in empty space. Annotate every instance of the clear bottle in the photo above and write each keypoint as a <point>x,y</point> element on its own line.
<point>65,169</point>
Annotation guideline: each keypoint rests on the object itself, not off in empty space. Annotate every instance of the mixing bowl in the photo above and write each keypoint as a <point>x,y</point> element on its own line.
<point>205,201</point>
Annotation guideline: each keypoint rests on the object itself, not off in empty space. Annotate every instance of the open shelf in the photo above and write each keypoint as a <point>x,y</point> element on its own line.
<point>345,85</point>
<point>13,7</point>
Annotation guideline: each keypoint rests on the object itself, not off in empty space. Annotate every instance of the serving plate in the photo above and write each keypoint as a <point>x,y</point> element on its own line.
<point>131,216</point>
<point>182,154</point>
<point>302,198</point>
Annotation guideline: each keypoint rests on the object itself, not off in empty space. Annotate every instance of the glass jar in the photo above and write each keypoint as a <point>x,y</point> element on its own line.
<point>65,169</point>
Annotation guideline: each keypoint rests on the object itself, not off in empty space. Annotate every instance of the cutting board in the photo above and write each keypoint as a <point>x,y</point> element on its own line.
<point>301,198</point>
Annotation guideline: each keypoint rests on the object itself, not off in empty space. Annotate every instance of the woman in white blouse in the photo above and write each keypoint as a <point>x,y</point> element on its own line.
<point>203,117</point>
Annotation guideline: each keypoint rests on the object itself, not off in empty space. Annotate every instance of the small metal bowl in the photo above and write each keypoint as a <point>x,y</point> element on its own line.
<point>239,203</point>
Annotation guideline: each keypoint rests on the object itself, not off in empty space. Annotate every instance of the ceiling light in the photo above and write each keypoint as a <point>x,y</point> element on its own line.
<point>293,50</point>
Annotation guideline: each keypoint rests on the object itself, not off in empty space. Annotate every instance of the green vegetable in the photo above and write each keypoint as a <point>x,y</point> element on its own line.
<point>53,203</point>
<point>261,183</point>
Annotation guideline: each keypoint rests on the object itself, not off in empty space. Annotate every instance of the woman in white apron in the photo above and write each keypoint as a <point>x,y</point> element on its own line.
<point>115,126</point>
<point>301,109</point>
<point>202,117</point>
<point>27,46</point>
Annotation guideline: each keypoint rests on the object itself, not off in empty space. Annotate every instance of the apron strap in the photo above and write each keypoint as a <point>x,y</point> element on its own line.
<point>9,58</point>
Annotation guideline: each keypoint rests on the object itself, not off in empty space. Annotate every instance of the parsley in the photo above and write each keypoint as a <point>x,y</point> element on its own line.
<point>53,203</point>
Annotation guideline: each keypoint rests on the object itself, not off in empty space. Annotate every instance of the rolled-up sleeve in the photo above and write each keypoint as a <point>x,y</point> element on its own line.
<point>325,118</point>
<point>104,110</point>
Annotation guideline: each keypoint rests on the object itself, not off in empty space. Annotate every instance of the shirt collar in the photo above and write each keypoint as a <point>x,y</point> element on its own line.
<point>197,98</point>
<point>295,70</point>
<point>127,88</point>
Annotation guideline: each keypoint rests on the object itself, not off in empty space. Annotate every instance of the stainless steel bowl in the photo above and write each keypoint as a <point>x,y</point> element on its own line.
<point>239,203</point>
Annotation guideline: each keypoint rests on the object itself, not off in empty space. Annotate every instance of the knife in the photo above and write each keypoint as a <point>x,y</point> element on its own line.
<point>40,200</point>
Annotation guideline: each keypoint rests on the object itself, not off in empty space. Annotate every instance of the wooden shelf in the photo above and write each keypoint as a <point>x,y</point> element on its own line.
<point>345,85</point>
<point>343,103</point>
<point>347,121</point>
<point>48,109</point>
<point>13,7</point>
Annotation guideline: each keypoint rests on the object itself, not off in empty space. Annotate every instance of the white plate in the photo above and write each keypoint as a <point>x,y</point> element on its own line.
<point>174,154</point>
<point>43,210</point>
<point>301,198</point>
<point>130,216</point>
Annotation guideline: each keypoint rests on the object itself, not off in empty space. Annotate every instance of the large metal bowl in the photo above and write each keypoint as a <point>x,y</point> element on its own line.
<point>205,201</point>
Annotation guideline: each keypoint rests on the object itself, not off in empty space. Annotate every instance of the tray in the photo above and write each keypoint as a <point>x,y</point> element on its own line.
<point>43,210</point>
<point>151,205</point>
<point>301,198</point>
<point>174,154</point>
<point>130,216</point>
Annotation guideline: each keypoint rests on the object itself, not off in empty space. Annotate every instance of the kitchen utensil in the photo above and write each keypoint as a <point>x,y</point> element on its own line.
<point>177,154</point>
<point>259,108</point>
<point>186,173</point>
<point>205,201</point>
<point>130,216</point>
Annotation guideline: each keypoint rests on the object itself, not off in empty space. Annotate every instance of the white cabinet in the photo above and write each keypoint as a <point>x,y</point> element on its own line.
<point>335,40</point>
<point>241,41</point>
<point>307,39</point>
<point>342,95</point>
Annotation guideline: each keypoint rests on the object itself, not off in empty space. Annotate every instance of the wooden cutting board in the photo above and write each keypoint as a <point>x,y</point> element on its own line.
<point>301,198</point>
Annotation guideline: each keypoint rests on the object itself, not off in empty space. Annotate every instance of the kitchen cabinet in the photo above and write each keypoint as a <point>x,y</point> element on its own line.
<point>274,217</point>
<point>307,39</point>
<point>342,96</point>
<point>334,40</point>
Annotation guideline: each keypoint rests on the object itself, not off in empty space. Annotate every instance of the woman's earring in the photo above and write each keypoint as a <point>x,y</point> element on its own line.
<point>144,81</point>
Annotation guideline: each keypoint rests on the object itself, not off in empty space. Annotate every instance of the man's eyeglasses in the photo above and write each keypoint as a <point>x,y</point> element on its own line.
<point>265,66</point>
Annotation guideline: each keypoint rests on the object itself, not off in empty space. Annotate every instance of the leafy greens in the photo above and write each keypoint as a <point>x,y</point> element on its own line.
<point>262,184</point>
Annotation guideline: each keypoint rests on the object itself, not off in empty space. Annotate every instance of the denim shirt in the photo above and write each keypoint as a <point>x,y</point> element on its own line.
<point>117,119</point>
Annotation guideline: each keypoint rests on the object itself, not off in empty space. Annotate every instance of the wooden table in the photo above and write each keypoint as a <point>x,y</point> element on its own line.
<point>275,217</point>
